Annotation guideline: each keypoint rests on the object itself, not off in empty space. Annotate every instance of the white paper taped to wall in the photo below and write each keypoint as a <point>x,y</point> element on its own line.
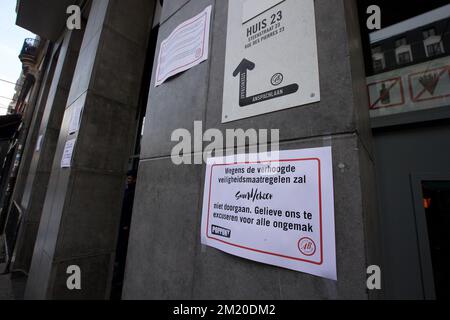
<point>186,47</point>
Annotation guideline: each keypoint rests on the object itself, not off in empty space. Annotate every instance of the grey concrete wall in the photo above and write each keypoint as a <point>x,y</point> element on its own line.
<point>32,199</point>
<point>166,259</point>
<point>82,206</point>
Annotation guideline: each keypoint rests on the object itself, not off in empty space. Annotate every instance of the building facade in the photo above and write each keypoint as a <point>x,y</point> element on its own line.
<point>382,126</point>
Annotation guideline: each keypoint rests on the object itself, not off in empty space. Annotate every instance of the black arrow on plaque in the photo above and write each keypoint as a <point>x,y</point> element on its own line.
<point>244,101</point>
<point>242,69</point>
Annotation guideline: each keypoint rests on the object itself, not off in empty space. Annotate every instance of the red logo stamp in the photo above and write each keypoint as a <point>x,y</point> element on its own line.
<point>307,246</point>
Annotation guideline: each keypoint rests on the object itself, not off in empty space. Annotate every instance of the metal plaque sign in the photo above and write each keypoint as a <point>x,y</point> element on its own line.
<point>271,57</point>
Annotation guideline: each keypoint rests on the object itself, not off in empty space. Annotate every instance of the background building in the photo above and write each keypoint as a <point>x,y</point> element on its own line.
<point>409,93</point>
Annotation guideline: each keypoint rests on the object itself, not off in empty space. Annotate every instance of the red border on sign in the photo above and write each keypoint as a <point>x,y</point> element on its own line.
<point>416,99</point>
<point>176,30</point>
<point>402,91</point>
<point>261,251</point>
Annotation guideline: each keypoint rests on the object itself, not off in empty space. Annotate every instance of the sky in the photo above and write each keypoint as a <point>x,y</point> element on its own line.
<point>11,41</point>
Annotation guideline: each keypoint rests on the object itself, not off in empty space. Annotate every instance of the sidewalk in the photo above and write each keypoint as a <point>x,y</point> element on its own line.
<point>12,286</point>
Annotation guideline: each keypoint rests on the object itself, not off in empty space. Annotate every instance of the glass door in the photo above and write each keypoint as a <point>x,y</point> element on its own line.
<point>436,203</point>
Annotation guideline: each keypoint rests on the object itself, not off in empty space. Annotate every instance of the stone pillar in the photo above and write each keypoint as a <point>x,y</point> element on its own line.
<point>165,257</point>
<point>82,206</point>
<point>32,198</point>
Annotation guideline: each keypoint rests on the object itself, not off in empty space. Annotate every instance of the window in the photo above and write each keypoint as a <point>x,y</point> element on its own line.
<point>400,42</point>
<point>429,33</point>
<point>403,51</point>
<point>378,65</point>
<point>434,49</point>
<point>404,57</point>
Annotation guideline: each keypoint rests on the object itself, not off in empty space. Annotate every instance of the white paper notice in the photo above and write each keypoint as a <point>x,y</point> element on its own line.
<point>186,47</point>
<point>275,212</point>
<point>39,143</point>
<point>74,124</point>
<point>66,160</point>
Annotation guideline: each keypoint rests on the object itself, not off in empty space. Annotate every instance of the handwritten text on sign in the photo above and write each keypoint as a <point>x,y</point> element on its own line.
<point>279,212</point>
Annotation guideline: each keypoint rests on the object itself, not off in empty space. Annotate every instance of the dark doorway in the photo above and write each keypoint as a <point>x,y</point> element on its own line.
<point>436,201</point>
<point>127,206</point>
